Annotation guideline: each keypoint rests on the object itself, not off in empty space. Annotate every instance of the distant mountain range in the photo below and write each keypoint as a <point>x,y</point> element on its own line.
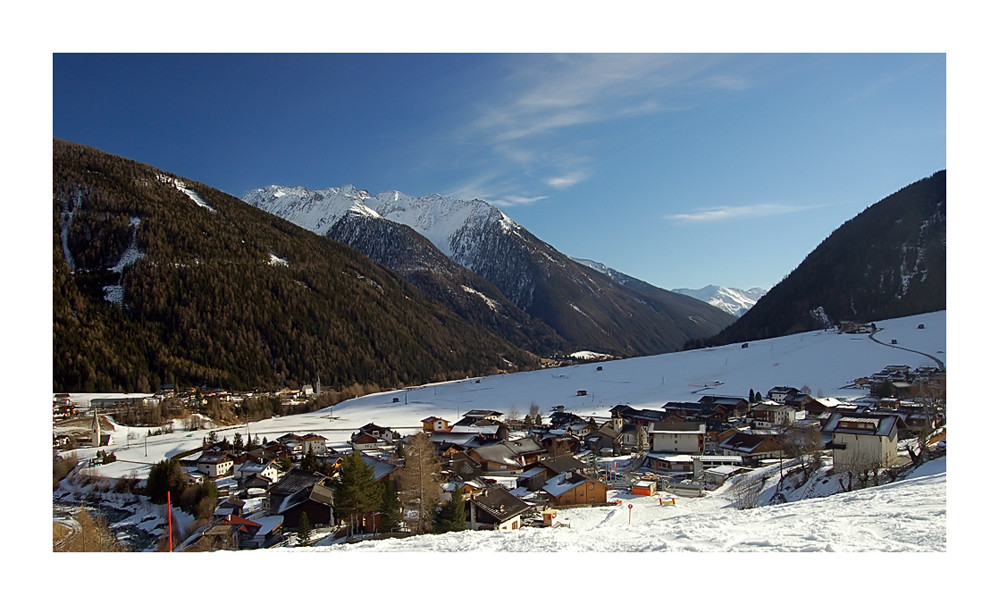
<point>437,242</point>
<point>888,261</point>
<point>730,300</point>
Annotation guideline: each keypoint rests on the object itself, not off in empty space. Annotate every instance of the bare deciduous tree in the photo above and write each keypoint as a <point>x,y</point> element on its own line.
<point>420,480</point>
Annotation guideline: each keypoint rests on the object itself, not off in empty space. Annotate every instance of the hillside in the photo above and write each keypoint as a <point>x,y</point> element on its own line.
<point>159,280</point>
<point>567,305</point>
<point>888,261</point>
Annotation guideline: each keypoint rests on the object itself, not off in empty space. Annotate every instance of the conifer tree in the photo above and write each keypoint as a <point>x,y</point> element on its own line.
<point>304,529</point>
<point>390,509</point>
<point>356,493</point>
<point>451,516</point>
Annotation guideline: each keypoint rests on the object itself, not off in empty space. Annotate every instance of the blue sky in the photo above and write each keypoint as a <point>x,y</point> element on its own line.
<point>679,169</point>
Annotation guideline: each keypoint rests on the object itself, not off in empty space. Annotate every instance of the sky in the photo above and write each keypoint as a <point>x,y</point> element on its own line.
<point>679,169</point>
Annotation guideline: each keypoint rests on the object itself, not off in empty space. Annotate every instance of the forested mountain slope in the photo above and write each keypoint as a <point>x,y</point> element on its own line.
<point>157,279</point>
<point>888,261</point>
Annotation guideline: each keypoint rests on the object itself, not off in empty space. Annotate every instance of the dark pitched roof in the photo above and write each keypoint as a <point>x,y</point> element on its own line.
<point>295,480</point>
<point>880,425</point>
<point>379,468</point>
<point>744,442</point>
<point>726,400</point>
<point>562,464</point>
<point>677,427</point>
<point>499,503</point>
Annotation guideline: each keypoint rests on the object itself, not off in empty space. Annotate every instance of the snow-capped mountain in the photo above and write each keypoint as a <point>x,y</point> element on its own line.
<point>586,308</point>
<point>730,300</point>
<point>346,215</point>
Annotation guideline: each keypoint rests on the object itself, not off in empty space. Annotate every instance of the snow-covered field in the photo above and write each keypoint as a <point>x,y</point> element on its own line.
<point>826,362</point>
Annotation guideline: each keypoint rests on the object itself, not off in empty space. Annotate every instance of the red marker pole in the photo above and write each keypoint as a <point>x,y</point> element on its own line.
<point>170,522</point>
<point>629,513</point>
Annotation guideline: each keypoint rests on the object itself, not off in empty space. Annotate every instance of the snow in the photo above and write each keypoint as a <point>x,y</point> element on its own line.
<point>730,300</point>
<point>492,304</point>
<point>909,515</point>
<point>906,516</point>
<point>826,361</point>
<point>182,187</point>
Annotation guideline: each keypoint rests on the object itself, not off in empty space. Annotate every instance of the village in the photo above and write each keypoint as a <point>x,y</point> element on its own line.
<point>494,471</point>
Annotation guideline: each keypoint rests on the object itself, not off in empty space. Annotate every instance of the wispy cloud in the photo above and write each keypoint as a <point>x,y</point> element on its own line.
<point>532,125</point>
<point>724,213</point>
<point>559,92</point>
<point>566,180</point>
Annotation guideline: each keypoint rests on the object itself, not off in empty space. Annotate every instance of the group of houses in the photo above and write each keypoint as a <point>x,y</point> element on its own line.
<point>509,477</point>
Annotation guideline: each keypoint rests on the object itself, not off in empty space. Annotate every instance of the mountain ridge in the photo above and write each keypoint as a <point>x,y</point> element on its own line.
<point>888,261</point>
<point>585,308</point>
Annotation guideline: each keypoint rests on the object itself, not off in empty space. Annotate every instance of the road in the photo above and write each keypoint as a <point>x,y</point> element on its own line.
<point>939,363</point>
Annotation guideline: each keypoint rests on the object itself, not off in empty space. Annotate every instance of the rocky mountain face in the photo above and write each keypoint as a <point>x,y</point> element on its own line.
<point>584,308</point>
<point>888,261</point>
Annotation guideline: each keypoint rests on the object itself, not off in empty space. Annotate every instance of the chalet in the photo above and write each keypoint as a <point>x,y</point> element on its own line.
<point>495,508</point>
<point>214,463</point>
<point>720,474</point>
<point>255,481</point>
<point>536,475</point>
<point>379,431</point>
<point>362,440</point>
<point>268,533</point>
<point>605,440</point>
<point>507,455</point>
<point>315,501</point>
<point>486,427</point>
<point>678,437</point>
<point>464,467</point>
<point>292,442</point>
<point>733,406</point>
<point>449,443</point>
<point>433,424</point>
<point>223,533</point>
<point>574,489</point>
<point>278,450</point>
<point>862,440</point>
<point>768,414</point>
<point>268,470</point>
<point>637,417</point>
<point>855,327</point>
<point>482,415</point>
<point>779,394</point>
<point>686,463</point>
<point>293,482</point>
<point>751,447</point>
<point>259,455</point>
<point>556,444</point>
<point>230,506</point>
<point>315,444</point>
